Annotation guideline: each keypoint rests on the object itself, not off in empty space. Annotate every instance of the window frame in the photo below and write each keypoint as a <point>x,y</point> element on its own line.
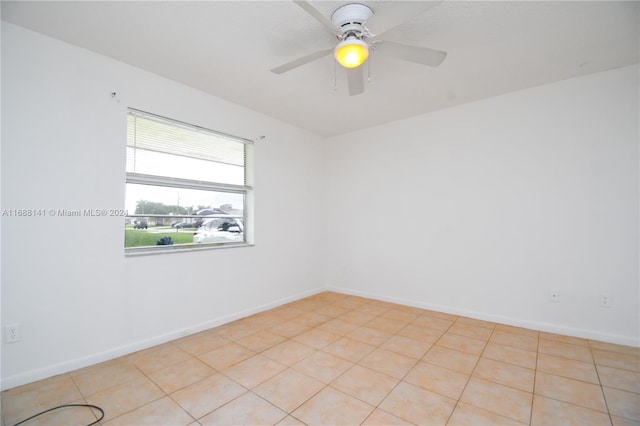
<point>245,190</point>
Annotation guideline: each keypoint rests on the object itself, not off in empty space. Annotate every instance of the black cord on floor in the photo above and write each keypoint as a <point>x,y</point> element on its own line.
<point>64,406</point>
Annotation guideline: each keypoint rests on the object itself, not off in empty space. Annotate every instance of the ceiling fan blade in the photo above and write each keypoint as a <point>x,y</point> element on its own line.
<point>389,15</point>
<point>318,15</point>
<point>418,55</point>
<point>300,61</point>
<point>355,81</point>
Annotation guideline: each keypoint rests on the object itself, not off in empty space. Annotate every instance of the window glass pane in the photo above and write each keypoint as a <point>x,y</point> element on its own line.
<point>161,147</point>
<point>182,216</point>
<point>175,166</point>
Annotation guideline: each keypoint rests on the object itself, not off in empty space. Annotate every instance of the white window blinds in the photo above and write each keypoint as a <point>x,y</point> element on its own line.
<point>162,147</point>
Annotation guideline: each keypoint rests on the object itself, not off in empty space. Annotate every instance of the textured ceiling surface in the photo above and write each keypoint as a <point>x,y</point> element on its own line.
<point>227,48</point>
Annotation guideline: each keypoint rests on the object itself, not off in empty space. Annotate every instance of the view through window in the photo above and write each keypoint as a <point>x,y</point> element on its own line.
<point>187,187</point>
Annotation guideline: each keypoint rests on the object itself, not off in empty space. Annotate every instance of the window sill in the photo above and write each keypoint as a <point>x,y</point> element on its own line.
<point>147,251</point>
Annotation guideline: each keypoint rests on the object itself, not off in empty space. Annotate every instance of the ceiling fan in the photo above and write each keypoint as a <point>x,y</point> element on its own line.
<point>353,25</point>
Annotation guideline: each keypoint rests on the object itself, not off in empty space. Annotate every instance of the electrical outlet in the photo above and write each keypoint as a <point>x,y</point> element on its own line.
<point>12,333</point>
<point>605,301</point>
<point>554,295</point>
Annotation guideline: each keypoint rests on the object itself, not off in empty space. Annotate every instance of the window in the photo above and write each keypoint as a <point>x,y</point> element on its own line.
<point>187,187</point>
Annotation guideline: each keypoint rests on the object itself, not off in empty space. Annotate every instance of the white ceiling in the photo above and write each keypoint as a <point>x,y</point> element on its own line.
<point>227,48</point>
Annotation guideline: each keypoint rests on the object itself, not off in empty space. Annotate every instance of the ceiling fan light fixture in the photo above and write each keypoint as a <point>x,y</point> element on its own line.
<point>351,52</point>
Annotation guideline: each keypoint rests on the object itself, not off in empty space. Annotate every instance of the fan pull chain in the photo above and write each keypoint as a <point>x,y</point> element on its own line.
<point>369,71</point>
<point>335,76</point>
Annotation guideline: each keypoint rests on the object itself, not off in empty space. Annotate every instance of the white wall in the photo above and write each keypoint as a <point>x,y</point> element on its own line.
<point>78,299</point>
<point>481,209</point>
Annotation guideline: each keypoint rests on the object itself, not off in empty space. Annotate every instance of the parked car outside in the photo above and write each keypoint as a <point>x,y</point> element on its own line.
<point>220,230</point>
<point>140,224</point>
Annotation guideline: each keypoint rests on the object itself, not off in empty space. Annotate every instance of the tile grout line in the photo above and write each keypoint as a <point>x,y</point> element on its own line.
<point>377,407</point>
<point>84,398</point>
<point>455,406</point>
<point>327,384</point>
<point>604,396</point>
<point>581,381</point>
<point>290,413</point>
<point>535,380</point>
<point>152,401</point>
<point>470,374</point>
<point>495,329</point>
<point>168,395</point>
<point>420,360</point>
<point>247,390</point>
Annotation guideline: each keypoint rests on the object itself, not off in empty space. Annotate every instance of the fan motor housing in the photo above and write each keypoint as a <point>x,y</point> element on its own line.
<point>350,18</point>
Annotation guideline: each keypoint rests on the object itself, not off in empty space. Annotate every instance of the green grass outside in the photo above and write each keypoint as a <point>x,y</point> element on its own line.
<point>143,238</point>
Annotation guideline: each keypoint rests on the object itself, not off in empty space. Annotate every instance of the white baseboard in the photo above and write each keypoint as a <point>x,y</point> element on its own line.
<point>71,365</point>
<point>532,325</point>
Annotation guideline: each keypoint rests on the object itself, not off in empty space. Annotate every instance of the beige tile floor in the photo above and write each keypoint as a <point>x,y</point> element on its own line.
<point>334,359</point>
